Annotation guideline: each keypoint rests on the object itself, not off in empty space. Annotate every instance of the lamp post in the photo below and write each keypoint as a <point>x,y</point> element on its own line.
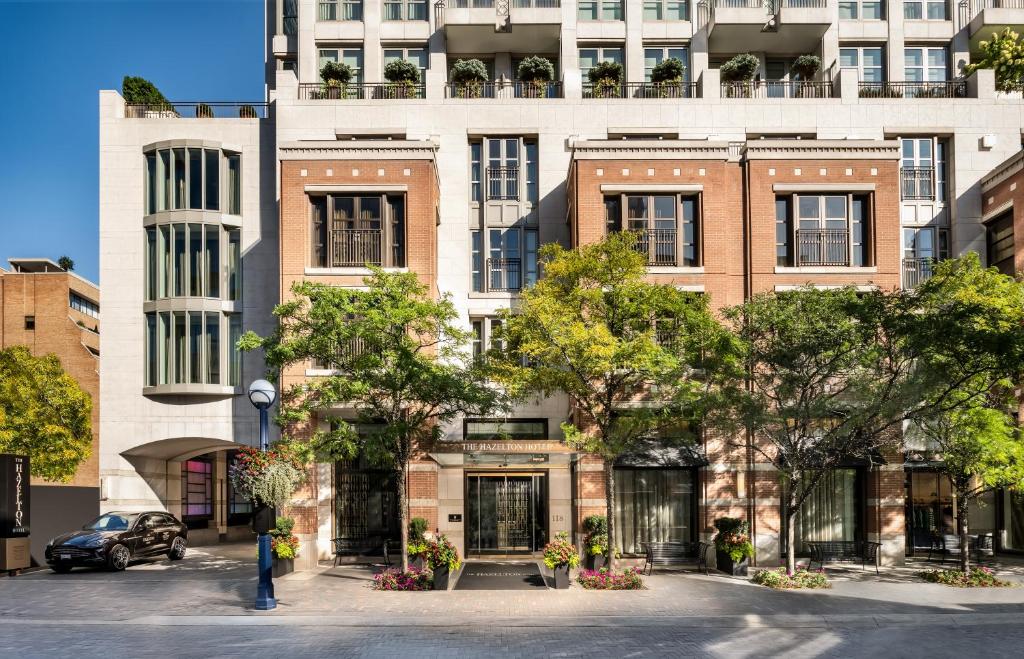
<point>262,395</point>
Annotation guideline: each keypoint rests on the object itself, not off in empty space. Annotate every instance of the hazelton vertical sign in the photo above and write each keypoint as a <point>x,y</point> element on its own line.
<point>14,496</point>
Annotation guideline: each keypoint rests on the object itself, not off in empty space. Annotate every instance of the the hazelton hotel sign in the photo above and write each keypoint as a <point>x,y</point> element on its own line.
<point>517,446</point>
<point>14,497</point>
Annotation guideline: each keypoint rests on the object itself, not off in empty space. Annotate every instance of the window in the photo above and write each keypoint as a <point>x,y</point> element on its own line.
<point>183,260</point>
<point>511,262</point>
<point>405,10</point>
<point>830,230</point>
<point>197,489</point>
<point>504,429</point>
<point>234,354</point>
<point>869,62</point>
<point>925,64</point>
<point>999,243</point>
<point>600,10</point>
<point>667,226</point>
<point>666,10</point>
<point>922,248</point>
<point>30,323</point>
<point>353,231</point>
<point>485,329</point>
<point>783,231</point>
<point>653,505</point>
<point>655,56</point>
<point>184,347</point>
<point>351,56</point>
<point>290,17</point>
<point>365,504</point>
<point>923,168</point>
<point>417,56</point>
<point>916,10</point>
<point>340,10</point>
<point>589,57</point>
<point>864,10</point>
<point>83,305</point>
<point>189,178</point>
<point>503,168</point>
<point>233,269</point>
<point>831,511</point>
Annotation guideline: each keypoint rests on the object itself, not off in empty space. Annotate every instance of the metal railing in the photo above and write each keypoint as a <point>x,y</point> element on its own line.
<point>640,90</point>
<point>658,244</point>
<point>196,110</point>
<point>470,4</point>
<point>770,6</point>
<point>504,89</point>
<point>503,183</point>
<point>778,89</point>
<point>344,352</point>
<point>355,247</point>
<point>823,247</point>
<point>917,182</point>
<point>917,270</point>
<point>361,91</point>
<point>504,274</point>
<point>936,89</point>
<point>536,4</point>
<point>971,8</point>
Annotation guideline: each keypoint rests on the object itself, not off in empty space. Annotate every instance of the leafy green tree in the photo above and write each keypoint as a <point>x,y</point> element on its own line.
<point>1004,53</point>
<point>43,414</point>
<point>66,263</point>
<point>399,361</point>
<point>625,351</point>
<point>139,91</point>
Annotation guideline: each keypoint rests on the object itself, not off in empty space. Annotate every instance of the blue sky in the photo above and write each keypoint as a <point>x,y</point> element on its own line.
<point>57,56</point>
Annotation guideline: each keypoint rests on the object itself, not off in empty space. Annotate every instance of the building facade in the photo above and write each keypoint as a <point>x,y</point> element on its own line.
<point>53,311</point>
<point>863,174</point>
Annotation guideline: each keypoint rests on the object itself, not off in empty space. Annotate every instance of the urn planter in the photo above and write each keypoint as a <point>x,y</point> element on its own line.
<point>727,565</point>
<point>283,566</point>
<point>441,575</point>
<point>561,577</point>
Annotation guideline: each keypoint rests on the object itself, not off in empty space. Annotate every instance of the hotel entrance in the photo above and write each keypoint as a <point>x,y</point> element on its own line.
<point>506,513</point>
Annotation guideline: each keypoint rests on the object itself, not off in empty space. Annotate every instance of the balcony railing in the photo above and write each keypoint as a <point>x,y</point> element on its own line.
<point>353,248</point>
<point>917,270</point>
<point>503,89</point>
<point>823,247</point>
<point>770,6</point>
<point>504,274</point>
<point>778,89</point>
<point>536,4</point>
<point>936,89</point>
<point>360,91</point>
<point>917,182</point>
<point>340,11</point>
<point>196,110</point>
<point>971,8</point>
<point>640,90</point>
<point>658,244</point>
<point>503,183</point>
<point>344,353</point>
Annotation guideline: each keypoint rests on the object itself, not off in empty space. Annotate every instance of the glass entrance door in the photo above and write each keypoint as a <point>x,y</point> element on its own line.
<point>506,513</point>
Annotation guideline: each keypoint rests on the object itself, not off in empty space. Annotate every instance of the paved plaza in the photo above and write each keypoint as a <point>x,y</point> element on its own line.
<point>201,607</point>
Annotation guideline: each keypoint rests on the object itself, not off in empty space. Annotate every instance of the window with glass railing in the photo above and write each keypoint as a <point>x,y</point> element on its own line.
<point>667,226</point>
<point>823,230</point>
<point>358,230</point>
<point>504,259</point>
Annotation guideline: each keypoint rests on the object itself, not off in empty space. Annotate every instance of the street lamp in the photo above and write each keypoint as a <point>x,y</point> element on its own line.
<point>262,395</point>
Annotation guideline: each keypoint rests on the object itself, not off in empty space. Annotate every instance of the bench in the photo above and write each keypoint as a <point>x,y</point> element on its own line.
<point>675,553</point>
<point>834,551</point>
<point>947,545</point>
<point>359,547</point>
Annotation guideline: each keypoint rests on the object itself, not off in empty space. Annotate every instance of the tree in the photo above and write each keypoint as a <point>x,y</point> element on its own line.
<point>624,350</point>
<point>1004,53</point>
<point>139,91</point>
<point>43,414</point>
<point>66,263</point>
<point>399,362</point>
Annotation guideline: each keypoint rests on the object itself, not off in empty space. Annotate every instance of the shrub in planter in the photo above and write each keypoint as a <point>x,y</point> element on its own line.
<point>468,76</point>
<point>139,91</point>
<point>443,559</point>
<point>604,580</point>
<point>535,72</point>
<point>284,546</point>
<point>204,111</point>
<point>403,76</point>
<point>336,76</point>
<point>979,577</point>
<point>560,555</point>
<point>780,579</point>
<point>880,91</point>
<point>667,78</point>
<point>418,546</point>
<point>733,548</point>
<point>606,78</point>
<point>740,68</point>
<point>595,542</point>
<point>807,66</point>
<point>247,112</point>
<point>412,579</point>
<point>267,478</point>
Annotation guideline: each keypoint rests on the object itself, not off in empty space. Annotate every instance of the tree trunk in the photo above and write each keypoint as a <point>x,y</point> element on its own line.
<point>961,522</point>
<point>791,540</point>
<point>403,514</point>
<point>609,502</point>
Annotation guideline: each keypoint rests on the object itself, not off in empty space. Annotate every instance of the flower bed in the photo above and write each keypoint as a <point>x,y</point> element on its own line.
<point>604,580</point>
<point>979,577</point>
<point>779,579</point>
<point>412,579</point>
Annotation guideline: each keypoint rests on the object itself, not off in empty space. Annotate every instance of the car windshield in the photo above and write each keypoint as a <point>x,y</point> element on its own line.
<point>111,522</point>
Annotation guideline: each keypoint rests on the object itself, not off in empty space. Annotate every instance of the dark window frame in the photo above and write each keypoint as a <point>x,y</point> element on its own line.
<point>501,420</point>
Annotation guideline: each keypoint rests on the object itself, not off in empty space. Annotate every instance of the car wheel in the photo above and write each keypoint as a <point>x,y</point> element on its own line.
<point>60,569</point>
<point>118,558</point>
<point>177,551</point>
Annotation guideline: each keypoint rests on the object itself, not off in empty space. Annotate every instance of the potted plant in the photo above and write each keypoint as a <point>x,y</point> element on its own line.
<point>443,558</point>
<point>738,72</point>
<point>336,76</point>
<point>560,555</point>
<point>733,549</point>
<point>141,92</point>
<point>606,79</point>
<point>418,546</point>
<point>596,540</point>
<point>204,111</point>
<point>535,73</point>
<point>468,77</point>
<point>284,546</point>
<point>247,112</point>
<point>403,76</point>
<point>667,78</point>
<point>807,66</point>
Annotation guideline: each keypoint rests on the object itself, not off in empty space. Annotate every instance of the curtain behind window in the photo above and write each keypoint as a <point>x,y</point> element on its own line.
<point>652,505</point>
<point>829,512</point>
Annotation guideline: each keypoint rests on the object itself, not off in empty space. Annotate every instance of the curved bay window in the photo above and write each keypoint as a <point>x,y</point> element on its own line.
<point>358,230</point>
<point>191,177</point>
<point>184,259</point>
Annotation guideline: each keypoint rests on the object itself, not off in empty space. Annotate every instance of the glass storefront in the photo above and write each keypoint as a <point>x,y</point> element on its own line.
<point>653,505</point>
<point>929,504</point>
<point>506,513</point>
<point>365,505</point>
<point>1013,520</point>
<point>830,511</point>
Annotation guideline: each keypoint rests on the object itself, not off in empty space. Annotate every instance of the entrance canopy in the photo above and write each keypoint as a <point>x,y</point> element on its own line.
<point>179,449</point>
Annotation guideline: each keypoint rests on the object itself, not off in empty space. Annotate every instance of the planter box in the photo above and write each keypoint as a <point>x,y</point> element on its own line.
<point>596,562</point>
<point>562,577</point>
<point>441,576</point>
<point>283,566</point>
<point>725,564</point>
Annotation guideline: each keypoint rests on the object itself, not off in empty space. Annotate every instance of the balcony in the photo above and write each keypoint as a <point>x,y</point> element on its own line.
<point>504,274</point>
<point>740,26</point>
<point>640,90</point>
<point>488,26</point>
<point>778,89</point>
<point>360,91</point>
<point>917,183</point>
<point>501,89</point>
<point>197,110</point>
<point>932,89</point>
<point>659,245</point>
<point>503,183</point>
<point>355,248</point>
<point>983,17</point>
<point>917,270</point>
<point>823,247</point>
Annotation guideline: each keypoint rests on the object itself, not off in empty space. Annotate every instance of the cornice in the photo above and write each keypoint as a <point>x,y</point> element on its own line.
<point>652,150</point>
<point>359,150</point>
<point>822,150</point>
<point>1003,171</point>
